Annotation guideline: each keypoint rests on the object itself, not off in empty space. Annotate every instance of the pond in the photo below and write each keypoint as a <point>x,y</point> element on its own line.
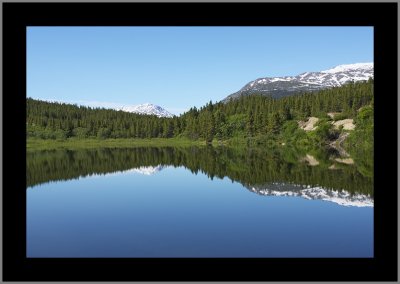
<point>196,202</point>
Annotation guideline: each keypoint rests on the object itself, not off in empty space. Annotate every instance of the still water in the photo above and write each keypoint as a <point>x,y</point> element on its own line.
<point>196,202</point>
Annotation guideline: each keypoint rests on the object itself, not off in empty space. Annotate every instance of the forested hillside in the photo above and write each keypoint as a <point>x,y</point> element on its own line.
<point>248,116</point>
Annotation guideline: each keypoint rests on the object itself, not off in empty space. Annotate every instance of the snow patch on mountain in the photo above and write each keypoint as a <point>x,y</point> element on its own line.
<point>350,67</point>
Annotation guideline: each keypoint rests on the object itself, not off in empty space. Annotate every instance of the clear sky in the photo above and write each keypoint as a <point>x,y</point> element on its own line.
<point>178,67</point>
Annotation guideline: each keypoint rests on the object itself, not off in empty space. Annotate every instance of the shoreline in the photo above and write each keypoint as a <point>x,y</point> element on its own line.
<point>42,144</point>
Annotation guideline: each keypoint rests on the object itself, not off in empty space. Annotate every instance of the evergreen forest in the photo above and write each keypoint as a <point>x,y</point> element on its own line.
<point>253,119</point>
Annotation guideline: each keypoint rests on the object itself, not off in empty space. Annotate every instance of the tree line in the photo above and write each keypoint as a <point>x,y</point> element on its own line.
<point>247,116</point>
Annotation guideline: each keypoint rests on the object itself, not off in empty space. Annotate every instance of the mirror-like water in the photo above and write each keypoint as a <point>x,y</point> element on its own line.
<point>197,202</point>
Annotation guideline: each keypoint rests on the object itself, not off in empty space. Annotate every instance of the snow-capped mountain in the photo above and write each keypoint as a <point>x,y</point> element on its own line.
<point>307,82</point>
<point>148,109</point>
<point>343,197</point>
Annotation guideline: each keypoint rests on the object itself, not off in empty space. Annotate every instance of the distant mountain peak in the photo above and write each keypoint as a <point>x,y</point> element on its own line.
<point>147,109</point>
<point>307,81</point>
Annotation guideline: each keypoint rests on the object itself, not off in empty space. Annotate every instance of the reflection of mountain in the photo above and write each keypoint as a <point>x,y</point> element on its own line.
<point>148,171</point>
<point>252,167</point>
<point>342,197</point>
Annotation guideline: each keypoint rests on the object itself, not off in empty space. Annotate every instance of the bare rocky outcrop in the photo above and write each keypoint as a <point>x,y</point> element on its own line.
<point>310,160</point>
<point>308,125</point>
<point>347,161</point>
<point>332,114</point>
<point>348,124</point>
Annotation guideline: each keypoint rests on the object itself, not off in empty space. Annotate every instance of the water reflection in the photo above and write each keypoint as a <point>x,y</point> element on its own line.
<point>148,171</point>
<point>197,202</point>
<point>342,197</point>
<point>253,168</point>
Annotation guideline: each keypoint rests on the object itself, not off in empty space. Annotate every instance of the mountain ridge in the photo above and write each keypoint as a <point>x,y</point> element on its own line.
<point>307,81</point>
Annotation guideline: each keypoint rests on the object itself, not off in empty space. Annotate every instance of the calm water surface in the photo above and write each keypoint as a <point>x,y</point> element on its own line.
<point>195,202</point>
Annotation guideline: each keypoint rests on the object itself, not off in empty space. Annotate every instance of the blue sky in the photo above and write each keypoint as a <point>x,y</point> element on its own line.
<point>178,67</point>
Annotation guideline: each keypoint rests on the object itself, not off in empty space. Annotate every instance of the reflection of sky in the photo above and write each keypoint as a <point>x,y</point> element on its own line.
<point>176,213</point>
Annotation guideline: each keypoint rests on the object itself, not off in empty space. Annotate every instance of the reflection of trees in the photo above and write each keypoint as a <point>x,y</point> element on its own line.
<point>250,167</point>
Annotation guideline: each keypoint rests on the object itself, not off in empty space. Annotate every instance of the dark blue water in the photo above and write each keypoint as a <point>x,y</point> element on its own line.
<point>176,213</point>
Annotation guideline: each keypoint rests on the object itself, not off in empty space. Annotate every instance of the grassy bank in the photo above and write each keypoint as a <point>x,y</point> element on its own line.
<point>42,144</point>
<point>74,143</point>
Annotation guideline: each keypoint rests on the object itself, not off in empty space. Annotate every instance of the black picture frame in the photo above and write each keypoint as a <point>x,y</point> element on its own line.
<point>17,16</point>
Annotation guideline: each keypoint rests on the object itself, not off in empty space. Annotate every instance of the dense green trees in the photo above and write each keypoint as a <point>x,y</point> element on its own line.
<point>57,121</point>
<point>361,141</point>
<point>248,116</point>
